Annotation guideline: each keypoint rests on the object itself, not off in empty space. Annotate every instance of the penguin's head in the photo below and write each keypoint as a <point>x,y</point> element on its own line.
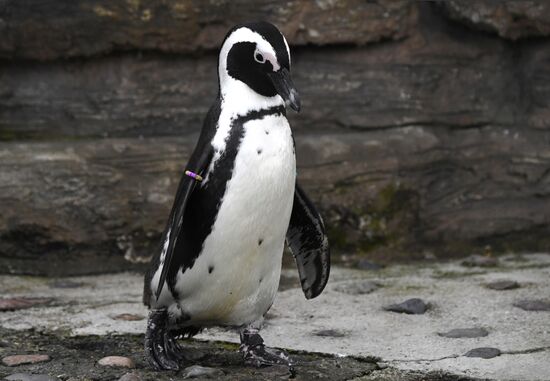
<point>257,55</point>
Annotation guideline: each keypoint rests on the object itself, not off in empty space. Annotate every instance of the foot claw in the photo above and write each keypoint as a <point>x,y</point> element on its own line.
<point>160,348</point>
<point>173,350</point>
<point>255,353</point>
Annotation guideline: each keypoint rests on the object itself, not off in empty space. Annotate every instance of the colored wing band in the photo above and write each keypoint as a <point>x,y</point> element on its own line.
<point>193,175</point>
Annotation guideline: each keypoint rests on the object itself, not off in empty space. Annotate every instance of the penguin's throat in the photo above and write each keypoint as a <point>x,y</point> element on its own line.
<point>238,99</point>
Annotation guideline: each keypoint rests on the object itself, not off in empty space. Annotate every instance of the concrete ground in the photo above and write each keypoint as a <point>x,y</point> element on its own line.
<point>347,321</point>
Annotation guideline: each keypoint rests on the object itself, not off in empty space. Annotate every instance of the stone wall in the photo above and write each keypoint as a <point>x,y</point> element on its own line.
<point>425,125</point>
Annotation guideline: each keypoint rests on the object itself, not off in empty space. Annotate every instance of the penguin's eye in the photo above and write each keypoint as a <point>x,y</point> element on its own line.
<point>258,57</point>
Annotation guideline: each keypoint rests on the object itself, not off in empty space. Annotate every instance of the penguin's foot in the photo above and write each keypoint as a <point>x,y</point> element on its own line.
<point>161,349</point>
<point>255,353</point>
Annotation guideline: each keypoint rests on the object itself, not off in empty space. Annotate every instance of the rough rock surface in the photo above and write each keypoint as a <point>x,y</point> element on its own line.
<point>433,139</point>
<point>54,29</point>
<point>509,19</point>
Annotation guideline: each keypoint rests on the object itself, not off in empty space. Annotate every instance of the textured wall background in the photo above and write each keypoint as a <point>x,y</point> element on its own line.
<point>425,125</point>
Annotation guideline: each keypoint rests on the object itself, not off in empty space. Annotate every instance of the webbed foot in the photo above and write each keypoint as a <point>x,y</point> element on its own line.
<point>255,353</point>
<point>161,349</point>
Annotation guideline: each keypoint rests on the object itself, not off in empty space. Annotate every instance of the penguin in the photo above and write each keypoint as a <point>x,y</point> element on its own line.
<point>237,203</point>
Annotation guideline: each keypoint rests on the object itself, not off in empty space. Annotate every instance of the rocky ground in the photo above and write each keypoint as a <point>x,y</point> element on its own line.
<point>479,318</point>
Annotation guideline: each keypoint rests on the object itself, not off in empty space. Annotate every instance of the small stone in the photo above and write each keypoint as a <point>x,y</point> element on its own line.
<point>133,376</point>
<point>484,353</point>
<point>24,359</point>
<point>196,371</point>
<point>357,288</point>
<point>480,260</point>
<point>364,264</point>
<point>30,377</point>
<point>65,283</point>
<point>329,333</point>
<point>13,304</point>
<point>533,305</point>
<point>129,317</point>
<point>117,361</point>
<point>413,306</point>
<point>193,355</point>
<point>502,285</point>
<point>464,333</point>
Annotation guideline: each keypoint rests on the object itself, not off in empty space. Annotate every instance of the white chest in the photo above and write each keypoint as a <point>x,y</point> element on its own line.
<point>235,278</point>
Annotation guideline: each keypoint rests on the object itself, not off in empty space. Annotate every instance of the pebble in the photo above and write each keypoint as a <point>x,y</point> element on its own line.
<point>133,376</point>
<point>484,353</point>
<point>502,285</point>
<point>129,317</point>
<point>65,283</point>
<point>193,355</point>
<point>533,305</point>
<point>464,333</point>
<point>357,288</point>
<point>364,264</point>
<point>196,371</point>
<point>117,361</point>
<point>413,306</point>
<point>480,260</point>
<point>329,333</point>
<point>16,360</point>
<point>30,377</point>
<point>12,304</point>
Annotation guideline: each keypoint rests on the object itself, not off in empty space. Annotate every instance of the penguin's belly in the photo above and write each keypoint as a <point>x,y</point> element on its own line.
<point>235,278</point>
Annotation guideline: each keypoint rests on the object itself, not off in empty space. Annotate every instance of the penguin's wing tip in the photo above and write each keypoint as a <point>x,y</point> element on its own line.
<point>158,291</point>
<point>309,245</point>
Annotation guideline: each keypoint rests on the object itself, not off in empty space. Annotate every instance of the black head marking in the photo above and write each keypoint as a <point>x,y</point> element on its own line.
<point>247,64</point>
<point>242,65</point>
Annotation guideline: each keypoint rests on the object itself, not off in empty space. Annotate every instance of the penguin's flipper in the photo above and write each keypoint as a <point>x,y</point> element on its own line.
<point>307,240</point>
<point>198,163</point>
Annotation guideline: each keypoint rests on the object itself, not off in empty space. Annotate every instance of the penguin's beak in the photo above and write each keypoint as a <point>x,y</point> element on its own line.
<point>285,88</point>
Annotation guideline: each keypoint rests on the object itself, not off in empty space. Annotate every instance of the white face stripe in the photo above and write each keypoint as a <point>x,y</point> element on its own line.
<point>244,34</point>
<point>287,51</point>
